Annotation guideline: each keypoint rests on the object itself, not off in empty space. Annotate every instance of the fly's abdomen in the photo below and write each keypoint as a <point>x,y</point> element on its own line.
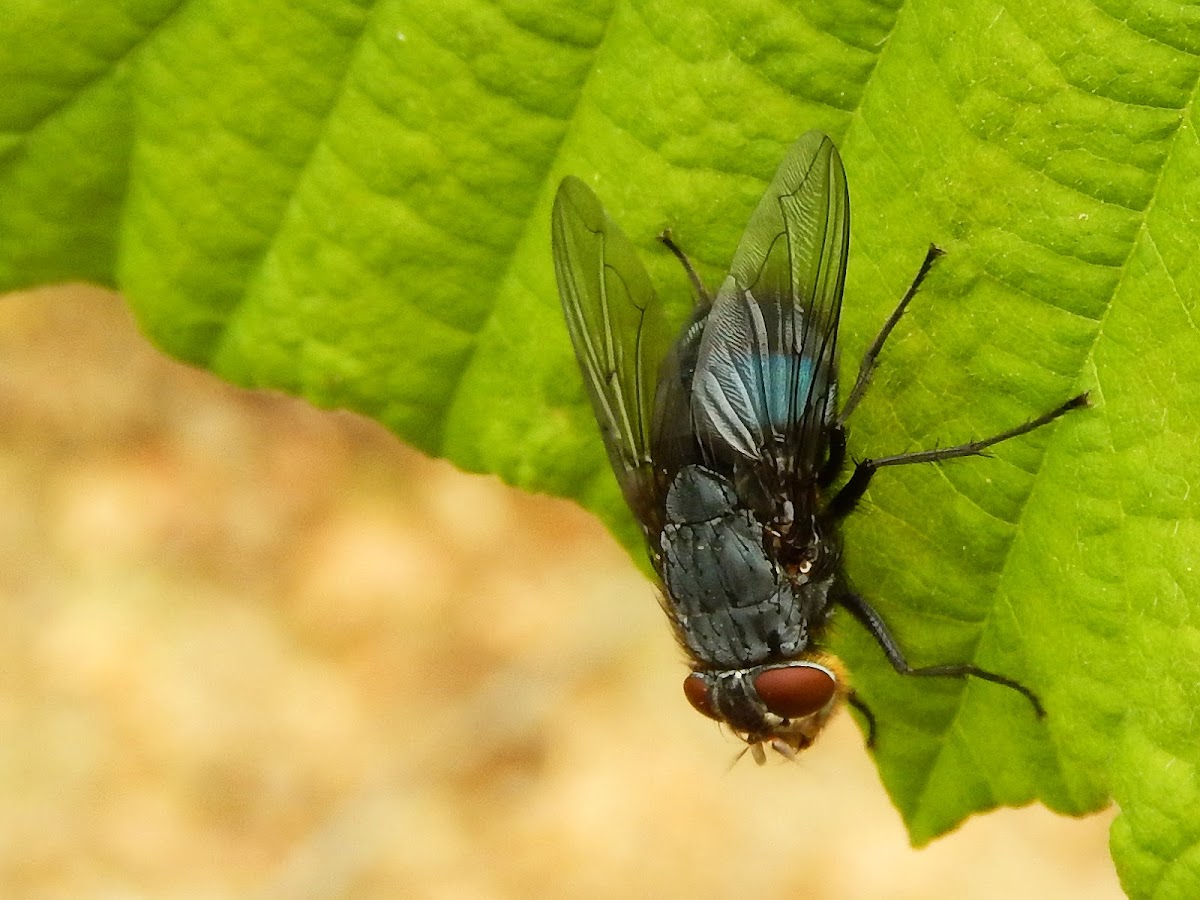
<point>731,605</point>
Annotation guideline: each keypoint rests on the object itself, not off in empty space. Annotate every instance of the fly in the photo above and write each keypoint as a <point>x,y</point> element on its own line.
<point>727,443</point>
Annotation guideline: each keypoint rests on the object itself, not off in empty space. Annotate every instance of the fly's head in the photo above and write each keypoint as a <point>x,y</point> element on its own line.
<point>782,706</point>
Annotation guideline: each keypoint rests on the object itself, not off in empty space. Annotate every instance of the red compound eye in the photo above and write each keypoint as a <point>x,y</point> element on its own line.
<point>795,691</point>
<point>696,690</point>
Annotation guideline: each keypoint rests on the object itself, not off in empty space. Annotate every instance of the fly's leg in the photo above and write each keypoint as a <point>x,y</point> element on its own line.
<point>837,441</point>
<point>867,366</point>
<point>870,619</point>
<point>857,702</point>
<point>835,458</point>
<point>702,295</point>
<point>852,491</point>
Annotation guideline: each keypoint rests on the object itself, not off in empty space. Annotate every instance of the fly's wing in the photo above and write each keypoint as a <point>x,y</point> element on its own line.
<point>765,382</point>
<point>619,332</point>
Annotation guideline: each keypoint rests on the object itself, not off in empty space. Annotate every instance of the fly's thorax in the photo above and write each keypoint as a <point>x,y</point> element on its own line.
<point>784,705</point>
<point>808,550</point>
<point>796,535</point>
<point>739,594</point>
<point>731,604</point>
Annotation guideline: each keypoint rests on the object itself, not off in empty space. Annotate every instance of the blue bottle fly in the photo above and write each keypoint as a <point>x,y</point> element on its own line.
<point>728,445</point>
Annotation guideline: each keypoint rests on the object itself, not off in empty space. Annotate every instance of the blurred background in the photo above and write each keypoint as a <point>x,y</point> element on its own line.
<point>253,649</point>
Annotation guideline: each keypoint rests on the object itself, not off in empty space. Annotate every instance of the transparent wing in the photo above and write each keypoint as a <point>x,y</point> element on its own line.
<point>618,329</point>
<point>765,383</point>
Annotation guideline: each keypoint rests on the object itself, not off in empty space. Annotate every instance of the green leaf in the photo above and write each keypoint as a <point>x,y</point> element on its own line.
<point>350,202</point>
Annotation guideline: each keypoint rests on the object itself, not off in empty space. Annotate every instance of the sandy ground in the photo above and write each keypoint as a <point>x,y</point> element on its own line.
<point>252,649</point>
